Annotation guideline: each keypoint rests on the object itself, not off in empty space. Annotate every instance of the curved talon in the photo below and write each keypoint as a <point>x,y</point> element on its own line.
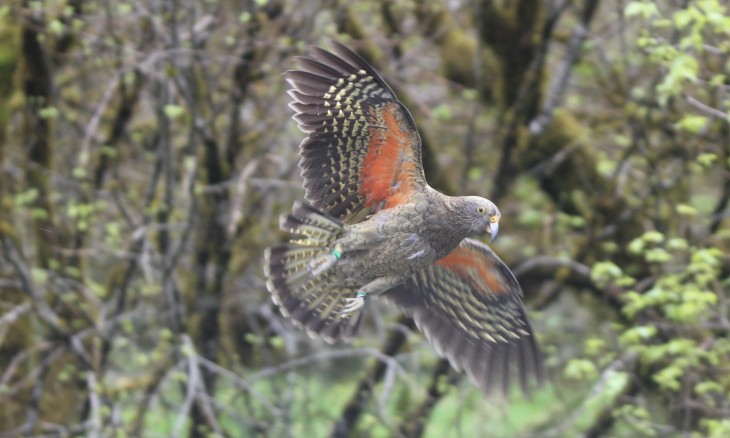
<point>355,304</point>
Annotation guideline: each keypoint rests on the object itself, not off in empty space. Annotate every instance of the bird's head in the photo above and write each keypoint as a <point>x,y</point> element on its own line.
<point>481,215</point>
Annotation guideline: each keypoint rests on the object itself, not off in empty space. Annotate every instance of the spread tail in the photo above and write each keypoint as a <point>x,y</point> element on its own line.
<point>301,278</point>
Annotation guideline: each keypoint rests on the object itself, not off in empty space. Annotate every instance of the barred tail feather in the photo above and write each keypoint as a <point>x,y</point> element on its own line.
<point>301,278</point>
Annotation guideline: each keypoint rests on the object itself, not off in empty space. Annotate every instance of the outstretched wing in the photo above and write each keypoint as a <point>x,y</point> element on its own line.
<point>469,306</point>
<point>363,150</point>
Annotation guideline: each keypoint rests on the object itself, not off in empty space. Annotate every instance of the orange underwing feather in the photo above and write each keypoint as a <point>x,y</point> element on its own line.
<point>481,273</point>
<point>363,151</point>
<point>388,168</point>
<point>469,306</point>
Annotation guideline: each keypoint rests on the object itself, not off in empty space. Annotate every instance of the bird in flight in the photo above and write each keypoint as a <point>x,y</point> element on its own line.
<point>371,226</point>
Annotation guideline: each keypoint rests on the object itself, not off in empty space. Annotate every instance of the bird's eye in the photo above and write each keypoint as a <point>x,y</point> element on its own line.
<point>494,219</point>
<point>481,210</point>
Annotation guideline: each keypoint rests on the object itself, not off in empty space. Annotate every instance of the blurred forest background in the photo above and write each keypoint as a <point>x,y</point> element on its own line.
<point>147,151</point>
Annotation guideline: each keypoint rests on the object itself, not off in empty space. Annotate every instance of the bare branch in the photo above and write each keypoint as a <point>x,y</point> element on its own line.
<point>240,383</point>
<point>560,80</point>
<point>710,111</point>
<point>21,269</point>
<point>195,391</point>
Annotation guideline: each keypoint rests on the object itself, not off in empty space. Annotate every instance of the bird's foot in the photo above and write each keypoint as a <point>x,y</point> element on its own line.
<point>355,304</point>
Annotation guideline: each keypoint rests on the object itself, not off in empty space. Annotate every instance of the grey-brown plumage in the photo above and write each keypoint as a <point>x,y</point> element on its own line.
<point>375,228</point>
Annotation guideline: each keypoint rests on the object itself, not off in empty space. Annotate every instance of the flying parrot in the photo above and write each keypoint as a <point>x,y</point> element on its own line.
<point>371,226</point>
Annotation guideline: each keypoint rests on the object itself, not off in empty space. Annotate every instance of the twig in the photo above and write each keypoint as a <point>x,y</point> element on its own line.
<point>15,362</point>
<point>241,383</point>
<point>11,316</point>
<point>238,197</point>
<point>326,355</point>
<point>195,391</point>
<point>604,418</point>
<point>93,125</point>
<point>22,271</point>
<point>351,413</point>
<point>560,80</point>
<point>94,427</point>
<point>717,114</point>
<point>524,102</point>
<point>552,263</point>
<point>193,381</point>
<point>414,424</point>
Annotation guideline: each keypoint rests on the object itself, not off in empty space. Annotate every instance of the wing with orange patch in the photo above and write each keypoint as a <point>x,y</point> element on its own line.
<point>363,150</point>
<point>469,306</point>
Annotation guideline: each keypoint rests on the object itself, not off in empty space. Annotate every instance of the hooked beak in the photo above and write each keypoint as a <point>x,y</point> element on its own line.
<point>493,229</point>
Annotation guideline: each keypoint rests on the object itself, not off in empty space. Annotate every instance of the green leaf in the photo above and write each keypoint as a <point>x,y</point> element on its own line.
<point>636,246</point>
<point>718,80</point>
<point>603,272</point>
<point>668,378</point>
<point>79,173</point>
<point>606,167</point>
<point>26,197</point>
<point>98,289</point>
<point>708,256</point>
<point>637,335</point>
<point>64,376</point>
<point>56,27</point>
<point>166,334</point>
<point>72,271</point>
<point>677,243</point>
<point>706,159</point>
<point>48,113</point>
<point>39,275</point>
<point>577,221</point>
<point>531,218</point>
<point>277,342</point>
<point>682,18</point>
<point>639,418</point>
<point>686,210</point>
<point>173,111</point>
<point>443,112</point>
<point>692,123</point>
<point>640,8</point>
<point>594,346</point>
<point>470,94</point>
<point>653,237</point>
<point>125,8</point>
<point>187,350</point>
<point>580,369</point>
<point>39,213</point>
<point>716,428</point>
<point>253,339</point>
<point>683,68</point>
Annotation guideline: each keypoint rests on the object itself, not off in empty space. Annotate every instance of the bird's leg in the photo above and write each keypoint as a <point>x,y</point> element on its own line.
<point>375,287</point>
<point>355,304</point>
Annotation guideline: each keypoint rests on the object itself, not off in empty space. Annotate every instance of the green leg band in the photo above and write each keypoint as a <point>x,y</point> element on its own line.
<point>337,253</point>
<point>361,295</point>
